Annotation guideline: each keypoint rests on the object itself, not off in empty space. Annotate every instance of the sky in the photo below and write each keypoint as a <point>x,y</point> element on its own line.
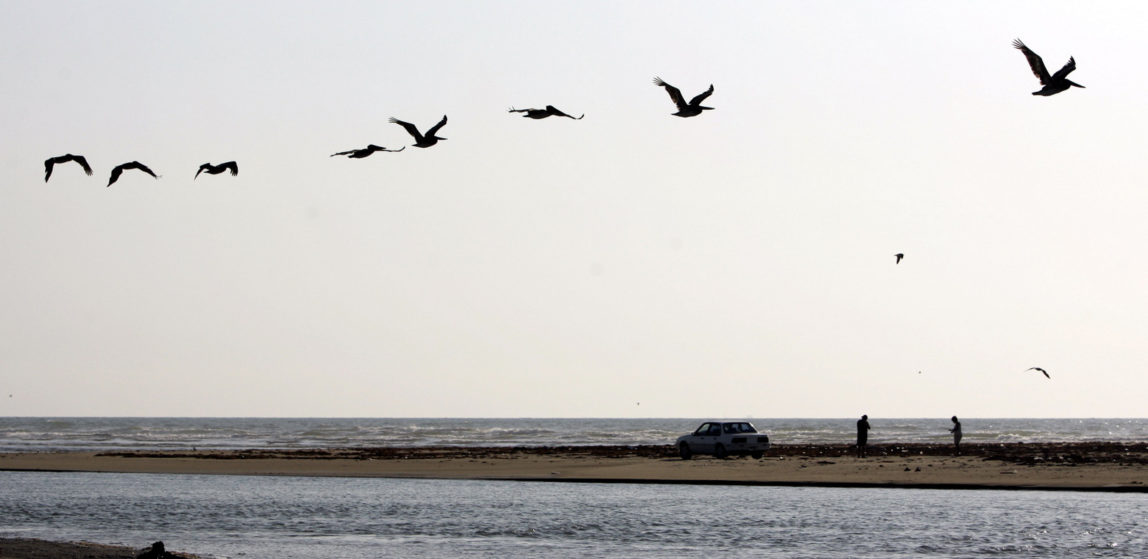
<point>629,264</point>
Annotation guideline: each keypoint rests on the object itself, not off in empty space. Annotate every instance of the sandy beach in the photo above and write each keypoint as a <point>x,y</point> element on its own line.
<point>1068,466</point>
<point>24,548</point>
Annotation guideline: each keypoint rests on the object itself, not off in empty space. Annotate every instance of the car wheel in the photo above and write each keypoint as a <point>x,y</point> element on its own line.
<point>719,451</point>
<point>757,455</point>
<point>684,451</point>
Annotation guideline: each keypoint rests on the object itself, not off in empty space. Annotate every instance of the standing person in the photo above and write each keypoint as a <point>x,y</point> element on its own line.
<point>956,431</point>
<point>862,436</point>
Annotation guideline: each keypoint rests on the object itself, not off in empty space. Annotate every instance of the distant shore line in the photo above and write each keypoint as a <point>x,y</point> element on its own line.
<point>1131,453</point>
<point>1076,466</point>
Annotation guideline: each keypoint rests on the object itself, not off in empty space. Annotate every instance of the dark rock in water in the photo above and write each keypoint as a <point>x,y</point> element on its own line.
<point>156,552</point>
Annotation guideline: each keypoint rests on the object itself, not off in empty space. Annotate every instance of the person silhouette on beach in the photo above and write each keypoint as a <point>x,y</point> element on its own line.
<point>956,431</point>
<point>862,436</point>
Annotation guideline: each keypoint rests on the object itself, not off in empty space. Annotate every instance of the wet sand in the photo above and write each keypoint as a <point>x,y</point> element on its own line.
<point>21,548</point>
<point>1060,466</point>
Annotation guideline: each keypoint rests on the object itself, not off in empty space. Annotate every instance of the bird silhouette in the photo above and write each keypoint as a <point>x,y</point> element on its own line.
<point>366,152</point>
<point>536,114</point>
<point>899,256</point>
<point>49,163</point>
<point>694,107</point>
<point>1042,371</point>
<point>1052,84</point>
<point>422,140</point>
<point>119,169</point>
<point>217,169</point>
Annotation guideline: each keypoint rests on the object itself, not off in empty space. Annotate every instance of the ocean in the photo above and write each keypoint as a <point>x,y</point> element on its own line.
<point>237,517</point>
<point>19,434</point>
<point>233,517</point>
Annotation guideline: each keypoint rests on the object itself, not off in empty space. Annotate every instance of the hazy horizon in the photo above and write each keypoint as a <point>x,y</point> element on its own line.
<point>629,264</point>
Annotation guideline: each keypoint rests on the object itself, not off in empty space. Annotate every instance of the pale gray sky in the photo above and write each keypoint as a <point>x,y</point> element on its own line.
<point>735,264</point>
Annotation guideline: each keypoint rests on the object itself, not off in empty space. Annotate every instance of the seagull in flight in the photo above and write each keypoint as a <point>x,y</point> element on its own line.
<point>366,152</point>
<point>1042,371</point>
<point>119,169</point>
<point>899,256</point>
<point>694,107</point>
<point>1052,84</point>
<point>536,114</point>
<point>422,140</point>
<point>49,163</point>
<point>217,169</point>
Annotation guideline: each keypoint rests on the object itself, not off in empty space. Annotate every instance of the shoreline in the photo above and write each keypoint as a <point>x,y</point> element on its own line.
<point>1095,466</point>
<point>33,548</point>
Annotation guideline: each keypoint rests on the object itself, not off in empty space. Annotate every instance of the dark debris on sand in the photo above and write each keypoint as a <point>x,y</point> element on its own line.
<point>1066,454</point>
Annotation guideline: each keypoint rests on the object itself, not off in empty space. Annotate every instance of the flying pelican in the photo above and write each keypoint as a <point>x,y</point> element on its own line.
<point>1042,371</point>
<point>422,141</point>
<point>1052,84</point>
<point>694,107</point>
<point>119,169</point>
<point>217,169</point>
<point>365,152</point>
<point>49,163</point>
<point>536,114</point>
<point>899,256</point>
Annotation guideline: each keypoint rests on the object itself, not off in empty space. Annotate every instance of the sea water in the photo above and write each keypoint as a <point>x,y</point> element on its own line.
<point>19,434</point>
<point>300,517</point>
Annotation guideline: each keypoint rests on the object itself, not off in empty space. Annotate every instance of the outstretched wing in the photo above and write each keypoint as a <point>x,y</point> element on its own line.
<point>88,170</point>
<point>434,129</point>
<point>201,168</point>
<point>675,93</point>
<point>348,152</point>
<point>1035,62</point>
<point>554,111</point>
<point>48,164</point>
<point>142,167</point>
<point>702,96</point>
<point>116,172</point>
<point>410,128</point>
<point>1066,70</point>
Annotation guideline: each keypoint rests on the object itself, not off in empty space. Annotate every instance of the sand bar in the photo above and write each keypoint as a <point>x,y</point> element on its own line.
<point>1067,466</point>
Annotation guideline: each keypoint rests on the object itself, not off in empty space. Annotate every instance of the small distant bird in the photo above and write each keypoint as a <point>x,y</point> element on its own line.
<point>1052,84</point>
<point>49,163</point>
<point>119,169</point>
<point>899,256</point>
<point>1042,371</point>
<point>694,107</point>
<point>422,140</point>
<point>367,151</point>
<point>536,114</point>
<point>217,169</point>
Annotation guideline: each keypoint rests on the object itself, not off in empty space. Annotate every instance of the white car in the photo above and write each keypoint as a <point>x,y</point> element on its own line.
<point>723,438</point>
